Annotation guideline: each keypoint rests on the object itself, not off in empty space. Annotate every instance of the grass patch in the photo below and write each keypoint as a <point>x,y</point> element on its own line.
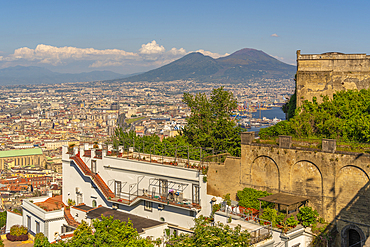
<point>131,120</point>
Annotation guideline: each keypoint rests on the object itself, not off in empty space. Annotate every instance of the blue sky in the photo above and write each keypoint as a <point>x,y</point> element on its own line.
<point>134,36</point>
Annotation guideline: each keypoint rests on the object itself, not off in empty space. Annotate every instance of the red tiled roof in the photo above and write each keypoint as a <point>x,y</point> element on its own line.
<point>52,203</point>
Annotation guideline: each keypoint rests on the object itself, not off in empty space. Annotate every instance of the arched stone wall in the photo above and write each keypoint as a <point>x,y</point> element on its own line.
<point>265,173</point>
<point>349,180</point>
<point>306,180</point>
<point>345,234</point>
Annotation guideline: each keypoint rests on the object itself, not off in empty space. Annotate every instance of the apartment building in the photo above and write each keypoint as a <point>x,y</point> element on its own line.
<point>145,186</point>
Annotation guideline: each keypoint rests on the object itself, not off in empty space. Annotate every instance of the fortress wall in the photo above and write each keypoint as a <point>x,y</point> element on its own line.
<point>223,177</point>
<point>324,74</point>
<point>333,181</point>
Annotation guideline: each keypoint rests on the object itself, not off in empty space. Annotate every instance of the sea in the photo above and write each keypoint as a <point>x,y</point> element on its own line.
<point>270,114</point>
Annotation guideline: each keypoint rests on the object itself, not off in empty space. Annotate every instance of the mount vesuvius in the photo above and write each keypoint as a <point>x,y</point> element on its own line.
<point>241,66</point>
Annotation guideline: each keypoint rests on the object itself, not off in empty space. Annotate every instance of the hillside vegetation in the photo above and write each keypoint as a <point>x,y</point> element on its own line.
<point>346,117</point>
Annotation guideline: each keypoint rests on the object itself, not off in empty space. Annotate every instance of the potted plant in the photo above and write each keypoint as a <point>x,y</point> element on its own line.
<point>17,233</point>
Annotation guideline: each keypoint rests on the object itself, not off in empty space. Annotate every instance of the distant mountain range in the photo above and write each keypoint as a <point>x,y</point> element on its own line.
<point>241,66</point>
<point>21,75</point>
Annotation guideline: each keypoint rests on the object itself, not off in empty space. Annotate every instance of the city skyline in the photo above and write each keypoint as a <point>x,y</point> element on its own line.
<point>130,37</point>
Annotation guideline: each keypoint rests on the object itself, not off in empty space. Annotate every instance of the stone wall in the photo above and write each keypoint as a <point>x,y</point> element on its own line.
<point>324,74</point>
<point>335,182</point>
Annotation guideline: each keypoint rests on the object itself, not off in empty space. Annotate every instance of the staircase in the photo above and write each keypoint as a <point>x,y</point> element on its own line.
<point>95,177</point>
<point>70,220</point>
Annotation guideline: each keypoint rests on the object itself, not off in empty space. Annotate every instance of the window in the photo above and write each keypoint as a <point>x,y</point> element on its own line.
<point>148,206</point>
<point>29,222</point>
<point>195,198</point>
<point>162,219</point>
<point>94,203</point>
<point>117,188</point>
<point>37,227</point>
<point>79,198</point>
<point>93,166</point>
<point>192,213</point>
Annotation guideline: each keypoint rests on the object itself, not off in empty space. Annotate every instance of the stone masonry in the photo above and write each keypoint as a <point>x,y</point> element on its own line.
<point>324,74</point>
<point>336,182</point>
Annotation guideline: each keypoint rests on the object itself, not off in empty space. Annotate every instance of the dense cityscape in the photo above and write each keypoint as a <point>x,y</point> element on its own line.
<point>184,123</point>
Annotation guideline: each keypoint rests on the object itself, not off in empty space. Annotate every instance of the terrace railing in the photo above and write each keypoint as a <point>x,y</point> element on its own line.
<point>258,235</point>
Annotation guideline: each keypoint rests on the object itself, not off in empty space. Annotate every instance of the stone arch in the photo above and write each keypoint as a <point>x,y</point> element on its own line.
<point>348,240</point>
<point>349,181</point>
<point>265,174</point>
<point>306,180</point>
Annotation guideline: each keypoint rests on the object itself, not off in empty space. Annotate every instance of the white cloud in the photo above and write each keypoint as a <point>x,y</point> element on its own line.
<point>211,54</point>
<point>274,35</point>
<point>149,55</point>
<point>176,52</point>
<point>152,48</point>
<point>58,55</point>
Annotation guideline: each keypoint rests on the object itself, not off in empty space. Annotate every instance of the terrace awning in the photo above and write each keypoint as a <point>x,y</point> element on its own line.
<point>286,200</point>
<point>283,199</point>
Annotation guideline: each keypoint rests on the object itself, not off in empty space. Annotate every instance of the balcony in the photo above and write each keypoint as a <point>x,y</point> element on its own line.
<point>169,197</point>
<point>172,197</point>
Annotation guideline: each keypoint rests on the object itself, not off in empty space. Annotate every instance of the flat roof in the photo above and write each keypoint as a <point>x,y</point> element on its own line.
<point>138,222</point>
<point>20,152</point>
<point>283,199</point>
<point>83,207</point>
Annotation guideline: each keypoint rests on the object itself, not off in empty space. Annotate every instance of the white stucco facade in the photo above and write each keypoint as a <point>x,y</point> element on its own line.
<point>38,220</point>
<point>137,178</point>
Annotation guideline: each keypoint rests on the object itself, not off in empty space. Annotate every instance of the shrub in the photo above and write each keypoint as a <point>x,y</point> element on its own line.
<point>215,208</point>
<point>248,198</point>
<point>321,221</point>
<point>71,202</point>
<point>307,216</point>
<point>291,221</point>
<point>18,230</point>
<point>229,220</point>
<point>41,240</point>
<point>227,199</point>
<point>272,215</point>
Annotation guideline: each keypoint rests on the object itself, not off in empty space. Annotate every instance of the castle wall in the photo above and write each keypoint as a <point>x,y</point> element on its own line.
<point>336,183</point>
<point>324,74</point>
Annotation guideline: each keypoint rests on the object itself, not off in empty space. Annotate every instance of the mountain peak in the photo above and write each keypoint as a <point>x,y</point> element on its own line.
<point>241,66</point>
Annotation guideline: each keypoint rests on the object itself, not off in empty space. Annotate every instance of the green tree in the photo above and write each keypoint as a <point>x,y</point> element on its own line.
<point>210,124</point>
<point>206,234</point>
<point>345,117</point>
<point>2,219</point>
<point>290,106</point>
<point>105,232</point>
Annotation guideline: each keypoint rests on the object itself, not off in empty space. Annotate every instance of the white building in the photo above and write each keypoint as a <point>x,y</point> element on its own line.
<point>156,192</point>
<point>162,192</point>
